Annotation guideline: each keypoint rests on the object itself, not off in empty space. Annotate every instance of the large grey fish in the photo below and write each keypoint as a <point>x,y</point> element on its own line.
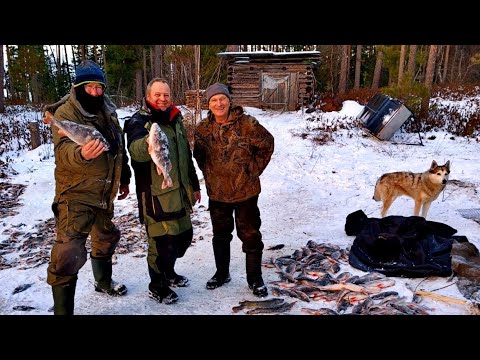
<point>81,134</point>
<point>161,154</point>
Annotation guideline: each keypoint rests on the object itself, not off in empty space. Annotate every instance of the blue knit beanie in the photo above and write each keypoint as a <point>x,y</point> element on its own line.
<point>89,71</point>
<point>216,89</point>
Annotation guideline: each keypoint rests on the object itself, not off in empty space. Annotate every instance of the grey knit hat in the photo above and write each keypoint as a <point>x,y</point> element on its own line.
<point>216,89</point>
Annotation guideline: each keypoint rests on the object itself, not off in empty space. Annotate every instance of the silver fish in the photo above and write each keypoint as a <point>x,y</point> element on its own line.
<point>80,134</point>
<point>161,154</point>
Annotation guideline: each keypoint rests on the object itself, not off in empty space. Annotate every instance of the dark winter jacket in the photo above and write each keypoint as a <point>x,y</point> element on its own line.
<point>232,155</point>
<point>153,201</point>
<point>96,181</point>
<point>400,246</point>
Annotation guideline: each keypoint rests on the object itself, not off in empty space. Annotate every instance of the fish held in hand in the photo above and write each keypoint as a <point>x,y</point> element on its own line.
<point>80,134</point>
<point>159,150</point>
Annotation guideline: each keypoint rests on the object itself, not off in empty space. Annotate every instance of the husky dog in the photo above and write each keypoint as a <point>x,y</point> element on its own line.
<point>421,187</point>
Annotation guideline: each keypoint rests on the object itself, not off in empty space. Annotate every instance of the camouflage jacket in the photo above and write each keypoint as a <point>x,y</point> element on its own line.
<point>232,155</point>
<point>96,181</point>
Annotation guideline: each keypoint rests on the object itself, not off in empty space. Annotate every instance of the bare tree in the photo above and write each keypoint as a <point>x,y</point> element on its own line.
<point>104,57</point>
<point>68,66</point>
<point>2,79</point>
<point>342,83</point>
<point>378,69</point>
<point>144,66</point>
<point>411,61</point>
<point>157,61</point>
<point>358,67</point>
<point>429,72</point>
<point>401,63</point>
<point>445,63</point>
<point>138,85</point>
<point>83,48</point>
<point>11,76</point>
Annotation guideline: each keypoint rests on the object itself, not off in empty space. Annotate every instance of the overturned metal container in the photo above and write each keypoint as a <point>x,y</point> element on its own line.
<point>383,116</point>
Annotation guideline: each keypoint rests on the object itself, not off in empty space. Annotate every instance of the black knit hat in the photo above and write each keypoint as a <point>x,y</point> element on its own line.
<point>216,89</point>
<point>88,71</point>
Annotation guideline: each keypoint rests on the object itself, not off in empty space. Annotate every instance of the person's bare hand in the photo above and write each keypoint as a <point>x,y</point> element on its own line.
<point>61,132</point>
<point>92,149</point>
<point>150,147</point>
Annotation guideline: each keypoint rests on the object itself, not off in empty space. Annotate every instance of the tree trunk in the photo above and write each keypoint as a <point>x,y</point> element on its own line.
<point>411,61</point>
<point>138,85</point>
<point>429,72</point>
<point>34,128</point>
<point>2,79</point>
<point>104,57</point>
<point>157,63</point>
<point>378,70</point>
<point>342,83</point>
<point>35,88</point>
<point>68,66</point>
<point>13,94</point>
<point>401,63</point>
<point>460,61</point>
<point>144,66</point>
<point>358,67</point>
<point>445,63</point>
<point>439,64</point>
<point>451,71</point>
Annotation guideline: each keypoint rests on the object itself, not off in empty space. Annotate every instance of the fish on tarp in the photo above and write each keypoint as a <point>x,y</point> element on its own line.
<point>80,134</point>
<point>160,153</point>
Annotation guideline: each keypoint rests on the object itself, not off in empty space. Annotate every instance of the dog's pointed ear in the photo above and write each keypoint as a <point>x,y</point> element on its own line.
<point>447,165</point>
<point>434,165</point>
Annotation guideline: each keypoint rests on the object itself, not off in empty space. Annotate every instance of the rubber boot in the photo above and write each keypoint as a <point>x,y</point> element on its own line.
<point>174,279</point>
<point>222,262</point>
<point>158,288</point>
<point>253,265</point>
<point>102,273</point>
<point>64,298</point>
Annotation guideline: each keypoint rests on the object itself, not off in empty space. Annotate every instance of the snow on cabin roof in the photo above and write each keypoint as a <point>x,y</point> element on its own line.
<point>248,54</point>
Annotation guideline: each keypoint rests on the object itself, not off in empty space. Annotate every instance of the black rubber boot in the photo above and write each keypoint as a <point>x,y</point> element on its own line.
<point>253,265</point>
<point>218,280</point>
<point>102,273</point>
<point>158,288</point>
<point>221,251</point>
<point>64,298</point>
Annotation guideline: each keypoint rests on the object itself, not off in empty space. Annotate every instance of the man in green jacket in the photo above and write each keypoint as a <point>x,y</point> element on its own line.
<point>87,180</point>
<point>164,206</point>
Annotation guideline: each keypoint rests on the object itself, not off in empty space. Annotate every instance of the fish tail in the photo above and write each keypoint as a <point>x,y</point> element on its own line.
<point>167,181</point>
